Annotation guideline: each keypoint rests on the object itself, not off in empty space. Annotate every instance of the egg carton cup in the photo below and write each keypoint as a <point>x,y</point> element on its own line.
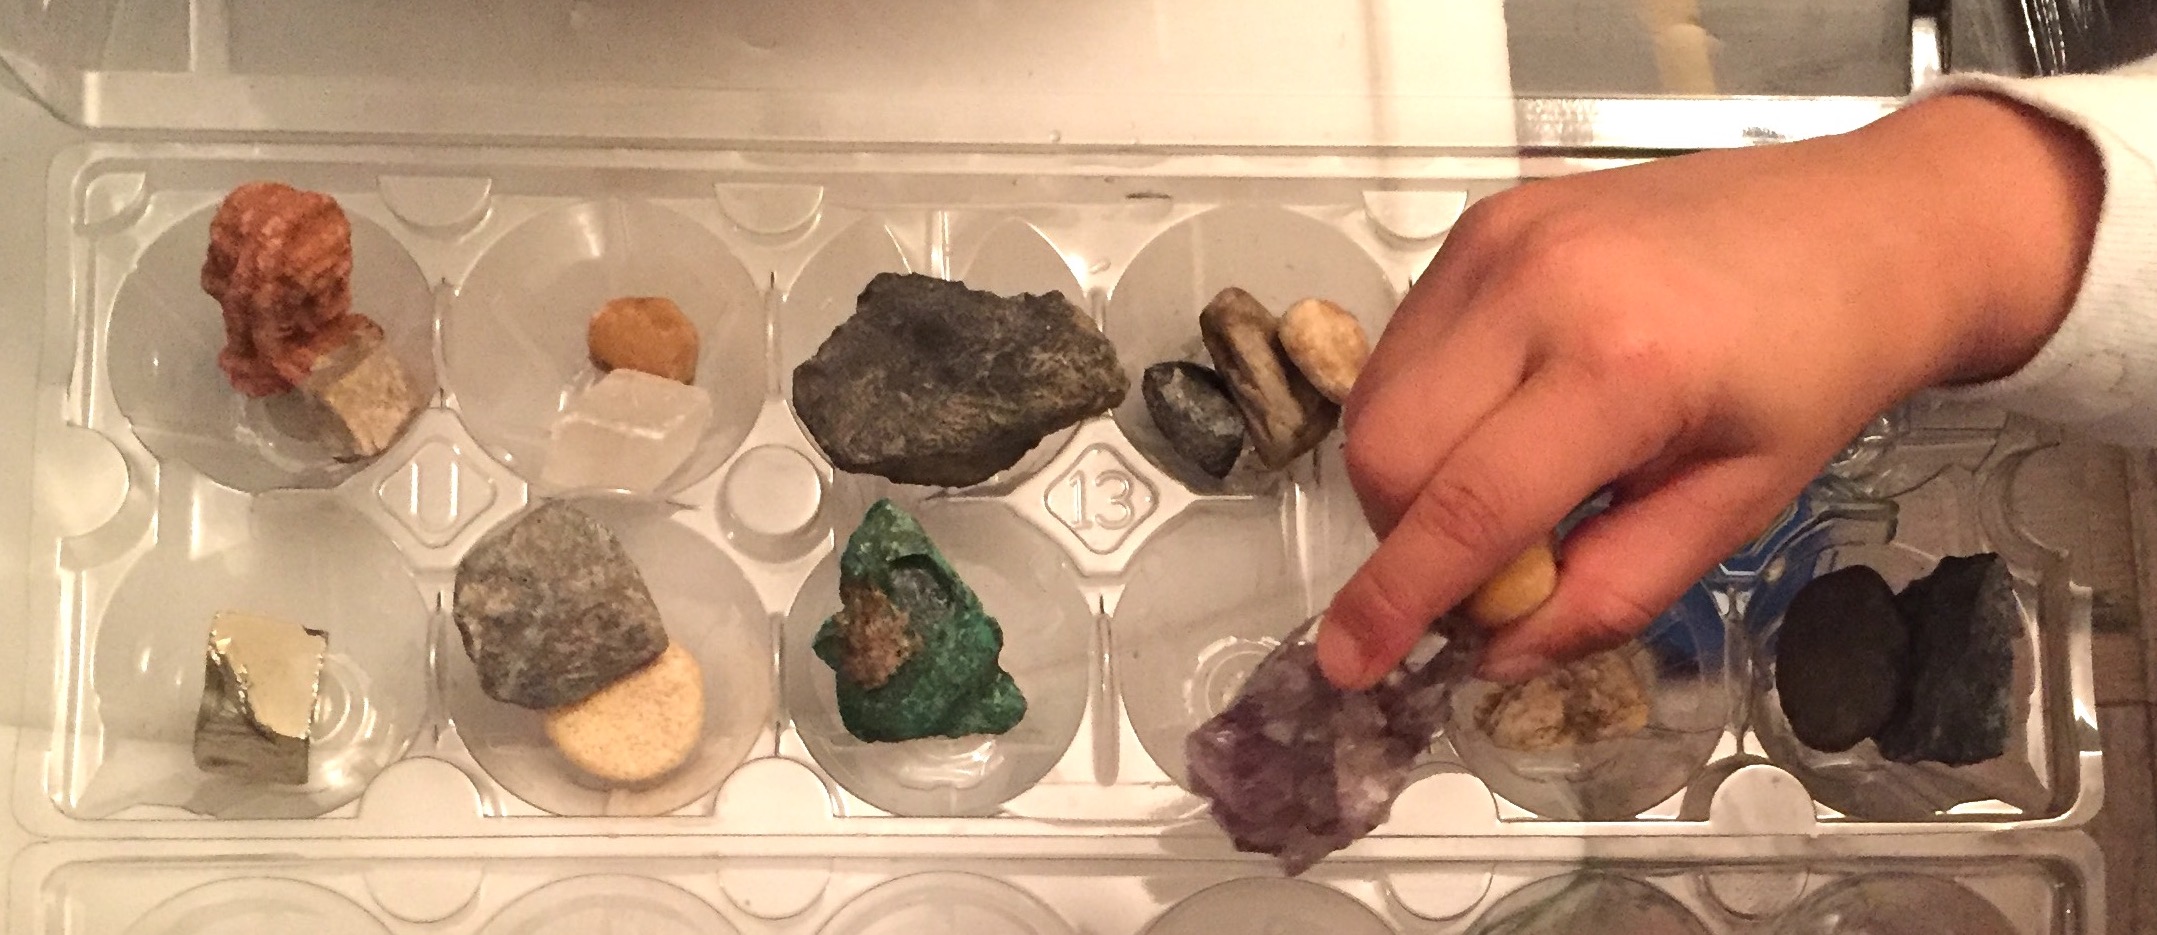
<point>1134,596</point>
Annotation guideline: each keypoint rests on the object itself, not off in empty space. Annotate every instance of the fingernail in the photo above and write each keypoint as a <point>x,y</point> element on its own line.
<point>1513,669</point>
<point>1340,656</point>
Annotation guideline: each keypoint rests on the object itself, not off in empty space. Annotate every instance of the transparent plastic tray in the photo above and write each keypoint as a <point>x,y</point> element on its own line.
<point>1133,601</point>
<point>2035,887</point>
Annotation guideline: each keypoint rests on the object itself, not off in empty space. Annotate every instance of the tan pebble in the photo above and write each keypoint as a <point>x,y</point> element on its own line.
<point>1327,344</point>
<point>639,728</point>
<point>647,334</point>
<point>1516,590</point>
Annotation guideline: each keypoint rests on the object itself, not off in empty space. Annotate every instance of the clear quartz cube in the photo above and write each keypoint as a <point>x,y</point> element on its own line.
<point>629,431</point>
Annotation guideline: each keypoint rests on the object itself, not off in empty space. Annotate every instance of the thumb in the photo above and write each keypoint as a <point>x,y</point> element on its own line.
<point>1621,569</point>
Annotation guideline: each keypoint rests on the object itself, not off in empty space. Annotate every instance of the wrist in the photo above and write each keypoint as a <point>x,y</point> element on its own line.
<point>2006,201</point>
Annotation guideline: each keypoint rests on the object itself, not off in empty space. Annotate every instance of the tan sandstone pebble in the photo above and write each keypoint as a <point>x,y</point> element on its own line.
<point>639,728</point>
<point>1591,700</point>
<point>647,334</point>
<point>1327,344</point>
<point>1516,590</point>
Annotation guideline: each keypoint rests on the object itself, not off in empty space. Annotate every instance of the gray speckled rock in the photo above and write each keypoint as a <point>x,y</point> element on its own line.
<point>933,383</point>
<point>1285,414</point>
<point>1842,659</point>
<point>1191,406</point>
<point>552,610</point>
<point>1963,622</point>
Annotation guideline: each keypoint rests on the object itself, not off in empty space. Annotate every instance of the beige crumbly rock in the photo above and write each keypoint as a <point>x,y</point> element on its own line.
<point>1327,344</point>
<point>1595,699</point>
<point>644,333</point>
<point>639,728</point>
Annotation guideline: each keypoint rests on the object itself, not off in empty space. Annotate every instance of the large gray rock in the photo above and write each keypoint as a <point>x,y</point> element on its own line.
<point>552,610</point>
<point>1963,622</point>
<point>1842,659</point>
<point>933,383</point>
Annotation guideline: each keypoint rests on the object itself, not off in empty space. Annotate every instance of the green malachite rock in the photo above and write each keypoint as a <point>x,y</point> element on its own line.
<point>914,653</point>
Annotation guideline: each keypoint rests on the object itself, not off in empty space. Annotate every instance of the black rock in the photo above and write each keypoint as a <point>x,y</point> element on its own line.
<point>1191,406</point>
<point>933,383</point>
<point>1842,658</point>
<point>552,610</point>
<point>1963,622</point>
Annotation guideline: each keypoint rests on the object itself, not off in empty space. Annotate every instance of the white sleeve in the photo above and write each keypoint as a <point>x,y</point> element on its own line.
<point>2098,373</point>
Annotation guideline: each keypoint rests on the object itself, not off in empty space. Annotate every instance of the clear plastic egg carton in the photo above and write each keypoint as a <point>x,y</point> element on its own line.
<point>1134,599</point>
<point>2034,888</point>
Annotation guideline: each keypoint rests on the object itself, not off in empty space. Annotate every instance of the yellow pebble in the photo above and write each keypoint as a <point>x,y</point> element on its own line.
<point>1516,590</point>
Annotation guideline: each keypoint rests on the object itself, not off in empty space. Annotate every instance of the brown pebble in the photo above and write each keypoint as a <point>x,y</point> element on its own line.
<point>1285,414</point>
<point>647,334</point>
<point>1327,344</point>
<point>639,728</point>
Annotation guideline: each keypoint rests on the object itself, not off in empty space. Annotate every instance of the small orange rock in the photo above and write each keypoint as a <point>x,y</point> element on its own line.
<point>647,334</point>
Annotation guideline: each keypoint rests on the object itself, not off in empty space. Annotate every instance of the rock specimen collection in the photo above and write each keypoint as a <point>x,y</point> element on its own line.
<point>640,422</point>
<point>1191,406</point>
<point>1299,769</point>
<point>930,382</point>
<point>1282,378</point>
<point>1841,658</point>
<point>1926,674</point>
<point>913,652</point>
<point>552,610</point>
<point>260,680</point>
<point>1594,699</point>
<point>280,268</point>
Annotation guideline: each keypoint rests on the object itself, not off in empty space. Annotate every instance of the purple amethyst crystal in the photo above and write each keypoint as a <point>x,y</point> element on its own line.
<point>1299,769</point>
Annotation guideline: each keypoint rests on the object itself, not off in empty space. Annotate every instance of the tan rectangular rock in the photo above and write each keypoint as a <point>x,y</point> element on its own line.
<point>361,397</point>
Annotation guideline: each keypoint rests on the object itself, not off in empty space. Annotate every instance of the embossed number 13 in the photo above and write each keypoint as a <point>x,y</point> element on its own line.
<point>1118,499</point>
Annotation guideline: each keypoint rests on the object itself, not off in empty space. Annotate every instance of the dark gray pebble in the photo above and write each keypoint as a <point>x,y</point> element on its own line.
<point>1191,406</point>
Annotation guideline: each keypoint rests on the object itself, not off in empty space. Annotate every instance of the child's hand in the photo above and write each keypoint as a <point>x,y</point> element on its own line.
<point>1703,333</point>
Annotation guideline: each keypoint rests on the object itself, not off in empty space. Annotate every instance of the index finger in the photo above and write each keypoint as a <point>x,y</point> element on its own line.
<point>1515,476</point>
